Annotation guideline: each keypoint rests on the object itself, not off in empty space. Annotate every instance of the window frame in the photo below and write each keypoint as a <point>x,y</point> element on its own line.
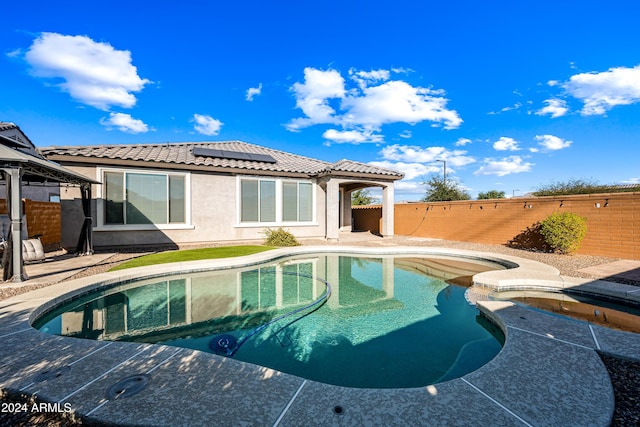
<point>101,202</point>
<point>279,190</point>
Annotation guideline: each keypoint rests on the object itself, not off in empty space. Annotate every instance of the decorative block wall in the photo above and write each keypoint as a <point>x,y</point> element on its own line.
<point>43,218</point>
<point>613,220</point>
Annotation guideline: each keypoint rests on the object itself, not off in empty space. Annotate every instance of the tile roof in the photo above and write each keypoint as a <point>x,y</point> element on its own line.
<point>182,154</point>
<point>7,125</point>
<point>14,137</point>
<point>345,165</point>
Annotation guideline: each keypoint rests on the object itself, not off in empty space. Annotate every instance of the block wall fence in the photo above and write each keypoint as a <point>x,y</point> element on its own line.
<point>613,221</point>
<point>43,218</point>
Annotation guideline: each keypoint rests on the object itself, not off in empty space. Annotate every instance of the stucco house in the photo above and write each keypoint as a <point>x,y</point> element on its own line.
<point>181,193</point>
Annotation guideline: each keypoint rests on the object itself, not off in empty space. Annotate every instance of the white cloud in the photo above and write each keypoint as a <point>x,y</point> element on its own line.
<point>555,108</point>
<point>415,154</point>
<point>515,106</point>
<point>364,78</point>
<point>125,123</point>
<point>602,91</point>
<point>504,166</point>
<point>93,73</point>
<point>406,134</point>
<point>253,91</point>
<point>632,181</point>
<point>313,96</point>
<point>352,136</point>
<point>461,142</point>
<point>552,143</point>
<point>397,101</point>
<point>402,70</point>
<point>206,125</point>
<point>411,170</point>
<point>324,98</point>
<point>506,144</point>
<point>408,187</point>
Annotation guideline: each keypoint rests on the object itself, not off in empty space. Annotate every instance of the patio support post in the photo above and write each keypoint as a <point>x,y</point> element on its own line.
<point>84,245</point>
<point>345,221</point>
<point>13,264</point>
<point>333,210</point>
<point>387,211</point>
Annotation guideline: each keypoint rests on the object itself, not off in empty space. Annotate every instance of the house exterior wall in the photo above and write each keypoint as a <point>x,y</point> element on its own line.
<point>613,228</point>
<point>214,216</point>
<point>35,192</point>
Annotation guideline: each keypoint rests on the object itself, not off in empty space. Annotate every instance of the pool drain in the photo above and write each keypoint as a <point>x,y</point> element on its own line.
<point>224,345</point>
<point>128,387</point>
<point>51,373</point>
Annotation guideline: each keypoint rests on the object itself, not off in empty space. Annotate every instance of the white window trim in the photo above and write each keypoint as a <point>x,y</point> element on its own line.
<point>278,222</point>
<point>101,226</point>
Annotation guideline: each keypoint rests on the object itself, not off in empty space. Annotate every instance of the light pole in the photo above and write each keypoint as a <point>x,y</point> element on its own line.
<point>444,171</point>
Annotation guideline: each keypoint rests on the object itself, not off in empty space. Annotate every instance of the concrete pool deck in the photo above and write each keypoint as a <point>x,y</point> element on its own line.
<point>548,372</point>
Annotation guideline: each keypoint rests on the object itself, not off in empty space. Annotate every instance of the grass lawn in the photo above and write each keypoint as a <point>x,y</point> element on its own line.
<point>191,255</point>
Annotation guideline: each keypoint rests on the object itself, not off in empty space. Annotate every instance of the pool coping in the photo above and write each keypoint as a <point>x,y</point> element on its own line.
<point>526,384</point>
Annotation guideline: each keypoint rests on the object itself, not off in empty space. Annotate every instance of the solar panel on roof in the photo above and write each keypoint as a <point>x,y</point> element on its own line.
<point>232,155</point>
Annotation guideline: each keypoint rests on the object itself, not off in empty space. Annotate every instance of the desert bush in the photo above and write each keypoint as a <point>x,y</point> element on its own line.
<point>581,186</point>
<point>280,237</point>
<point>563,231</point>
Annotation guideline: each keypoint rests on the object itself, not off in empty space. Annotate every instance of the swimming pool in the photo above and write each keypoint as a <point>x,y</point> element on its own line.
<point>390,321</point>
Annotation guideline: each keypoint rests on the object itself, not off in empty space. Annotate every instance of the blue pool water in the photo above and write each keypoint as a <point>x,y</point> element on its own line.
<point>389,322</point>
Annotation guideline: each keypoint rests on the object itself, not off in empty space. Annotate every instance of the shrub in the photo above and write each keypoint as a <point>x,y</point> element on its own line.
<point>563,231</point>
<point>280,237</point>
<point>491,194</point>
<point>581,186</point>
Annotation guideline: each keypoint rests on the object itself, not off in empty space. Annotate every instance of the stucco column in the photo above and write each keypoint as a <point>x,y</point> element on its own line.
<point>15,215</point>
<point>387,211</point>
<point>333,210</point>
<point>346,211</point>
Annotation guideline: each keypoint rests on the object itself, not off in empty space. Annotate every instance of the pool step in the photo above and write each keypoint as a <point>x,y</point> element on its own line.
<point>477,293</point>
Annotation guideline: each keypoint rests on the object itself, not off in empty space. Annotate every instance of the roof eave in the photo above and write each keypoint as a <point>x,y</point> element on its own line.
<point>360,175</point>
<point>97,162</point>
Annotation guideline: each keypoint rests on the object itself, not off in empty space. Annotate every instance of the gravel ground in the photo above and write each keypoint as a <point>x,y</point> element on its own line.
<point>625,374</point>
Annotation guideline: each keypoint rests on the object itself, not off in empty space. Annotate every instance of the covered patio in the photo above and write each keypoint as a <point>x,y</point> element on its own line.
<point>345,177</point>
<point>20,163</point>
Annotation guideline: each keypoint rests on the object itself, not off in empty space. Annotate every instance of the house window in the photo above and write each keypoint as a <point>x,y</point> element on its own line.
<point>275,201</point>
<point>144,198</point>
<point>258,200</point>
<point>297,201</point>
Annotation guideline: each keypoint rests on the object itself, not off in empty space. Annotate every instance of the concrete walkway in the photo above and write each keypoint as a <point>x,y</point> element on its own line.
<point>624,269</point>
<point>56,268</point>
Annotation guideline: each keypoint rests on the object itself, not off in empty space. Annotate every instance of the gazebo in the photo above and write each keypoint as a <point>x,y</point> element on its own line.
<point>20,162</point>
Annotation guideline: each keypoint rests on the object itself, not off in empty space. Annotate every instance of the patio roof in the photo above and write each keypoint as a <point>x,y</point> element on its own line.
<point>37,169</point>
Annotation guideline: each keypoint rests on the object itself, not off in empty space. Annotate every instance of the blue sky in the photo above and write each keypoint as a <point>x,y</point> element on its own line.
<point>512,94</point>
